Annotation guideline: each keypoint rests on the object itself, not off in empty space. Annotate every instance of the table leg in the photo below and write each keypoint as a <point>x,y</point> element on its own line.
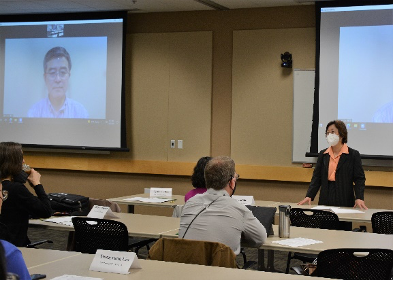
<point>270,260</point>
<point>131,209</point>
<point>261,260</point>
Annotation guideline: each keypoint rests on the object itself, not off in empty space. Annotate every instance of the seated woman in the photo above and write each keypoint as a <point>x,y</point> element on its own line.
<point>198,178</point>
<point>11,259</point>
<point>20,203</point>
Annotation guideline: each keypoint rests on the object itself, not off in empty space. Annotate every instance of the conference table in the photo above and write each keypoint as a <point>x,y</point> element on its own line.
<point>346,213</point>
<point>138,225</point>
<point>174,201</point>
<point>160,226</point>
<point>350,216</point>
<point>56,263</point>
<point>330,239</point>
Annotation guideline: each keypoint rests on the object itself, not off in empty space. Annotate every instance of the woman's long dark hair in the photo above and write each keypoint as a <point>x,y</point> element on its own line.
<point>198,177</point>
<point>11,159</point>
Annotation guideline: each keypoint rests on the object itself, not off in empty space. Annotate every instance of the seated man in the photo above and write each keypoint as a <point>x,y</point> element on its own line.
<point>215,216</point>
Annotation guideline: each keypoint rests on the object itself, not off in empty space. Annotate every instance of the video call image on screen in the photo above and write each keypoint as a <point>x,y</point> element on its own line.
<point>61,79</point>
<point>82,81</point>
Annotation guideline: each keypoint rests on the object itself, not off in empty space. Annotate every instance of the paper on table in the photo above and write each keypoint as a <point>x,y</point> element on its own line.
<point>62,220</point>
<point>297,242</point>
<point>338,210</point>
<point>74,277</point>
<point>148,200</point>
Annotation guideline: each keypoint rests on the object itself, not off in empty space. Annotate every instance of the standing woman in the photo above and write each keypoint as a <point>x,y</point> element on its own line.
<point>21,204</point>
<point>338,172</point>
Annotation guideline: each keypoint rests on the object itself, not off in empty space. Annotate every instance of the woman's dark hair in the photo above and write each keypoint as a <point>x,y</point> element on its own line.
<point>198,177</point>
<point>342,129</point>
<point>11,159</point>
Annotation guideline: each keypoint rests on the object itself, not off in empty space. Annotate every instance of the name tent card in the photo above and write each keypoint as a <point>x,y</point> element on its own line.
<point>245,200</point>
<point>114,261</point>
<point>101,212</point>
<point>160,192</point>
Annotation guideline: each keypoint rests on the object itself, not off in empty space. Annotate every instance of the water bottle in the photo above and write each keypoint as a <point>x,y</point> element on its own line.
<point>284,221</point>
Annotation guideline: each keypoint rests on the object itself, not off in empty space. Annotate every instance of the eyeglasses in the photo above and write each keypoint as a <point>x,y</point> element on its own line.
<point>5,195</point>
<point>237,176</point>
<point>53,74</point>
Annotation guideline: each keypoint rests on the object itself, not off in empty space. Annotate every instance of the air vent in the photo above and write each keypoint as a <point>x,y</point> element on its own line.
<point>212,4</point>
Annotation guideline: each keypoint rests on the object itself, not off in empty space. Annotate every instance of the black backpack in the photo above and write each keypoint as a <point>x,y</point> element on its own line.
<point>68,203</point>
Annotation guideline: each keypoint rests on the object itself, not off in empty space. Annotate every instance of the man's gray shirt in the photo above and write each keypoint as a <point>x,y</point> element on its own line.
<point>225,221</point>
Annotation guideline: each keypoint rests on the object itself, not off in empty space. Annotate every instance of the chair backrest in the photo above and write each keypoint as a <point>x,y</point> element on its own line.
<point>382,222</point>
<point>317,218</point>
<point>343,264</point>
<point>193,252</point>
<point>92,234</point>
<point>265,215</point>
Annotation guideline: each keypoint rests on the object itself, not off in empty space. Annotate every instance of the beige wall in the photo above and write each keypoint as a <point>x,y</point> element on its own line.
<point>230,58</point>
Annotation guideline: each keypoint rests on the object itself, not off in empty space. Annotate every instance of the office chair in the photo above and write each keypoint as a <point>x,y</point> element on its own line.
<point>193,252</point>
<point>344,264</point>
<point>382,222</point>
<point>318,219</point>
<point>92,234</point>
<point>265,215</point>
<point>5,235</point>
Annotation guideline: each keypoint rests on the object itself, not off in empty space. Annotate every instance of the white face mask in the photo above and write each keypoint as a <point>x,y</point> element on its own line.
<point>332,139</point>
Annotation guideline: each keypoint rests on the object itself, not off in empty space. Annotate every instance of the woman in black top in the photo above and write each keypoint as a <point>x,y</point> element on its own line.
<point>342,184</point>
<point>21,204</point>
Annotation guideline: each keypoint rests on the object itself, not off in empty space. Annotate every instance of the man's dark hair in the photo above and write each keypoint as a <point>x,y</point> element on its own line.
<point>219,171</point>
<point>57,52</point>
<point>198,177</point>
<point>11,159</point>
<point>342,129</point>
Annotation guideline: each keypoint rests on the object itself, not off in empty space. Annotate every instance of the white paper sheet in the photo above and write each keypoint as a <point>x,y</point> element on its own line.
<point>338,210</point>
<point>61,220</point>
<point>149,200</point>
<point>297,242</point>
<point>74,277</point>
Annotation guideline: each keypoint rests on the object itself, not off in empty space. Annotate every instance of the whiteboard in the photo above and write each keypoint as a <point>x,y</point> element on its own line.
<point>303,100</point>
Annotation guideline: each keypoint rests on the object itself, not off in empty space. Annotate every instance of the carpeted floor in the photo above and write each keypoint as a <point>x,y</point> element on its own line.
<point>59,239</point>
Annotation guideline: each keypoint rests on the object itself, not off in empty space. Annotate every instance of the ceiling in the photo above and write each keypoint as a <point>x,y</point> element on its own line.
<point>136,6</point>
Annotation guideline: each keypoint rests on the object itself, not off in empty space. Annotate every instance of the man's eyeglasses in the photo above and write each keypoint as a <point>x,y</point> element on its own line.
<point>237,176</point>
<point>53,74</point>
<point>5,195</point>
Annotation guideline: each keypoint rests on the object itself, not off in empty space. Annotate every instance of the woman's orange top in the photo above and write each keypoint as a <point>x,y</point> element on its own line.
<point>333,162</point>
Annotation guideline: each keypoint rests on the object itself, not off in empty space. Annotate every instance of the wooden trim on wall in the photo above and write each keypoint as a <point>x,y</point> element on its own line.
<point>251,172</point>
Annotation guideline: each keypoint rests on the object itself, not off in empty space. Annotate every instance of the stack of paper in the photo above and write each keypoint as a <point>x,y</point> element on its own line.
<point>297,242</point>
<point>337,210</point>
<point>61,220</point>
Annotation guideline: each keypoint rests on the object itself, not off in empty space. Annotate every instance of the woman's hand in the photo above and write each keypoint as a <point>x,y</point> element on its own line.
<point>34,178</point>
<point>305,200</point>
<point>360,203</point>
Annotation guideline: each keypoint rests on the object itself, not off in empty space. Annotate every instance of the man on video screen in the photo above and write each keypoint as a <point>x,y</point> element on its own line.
<point>57,72</point>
